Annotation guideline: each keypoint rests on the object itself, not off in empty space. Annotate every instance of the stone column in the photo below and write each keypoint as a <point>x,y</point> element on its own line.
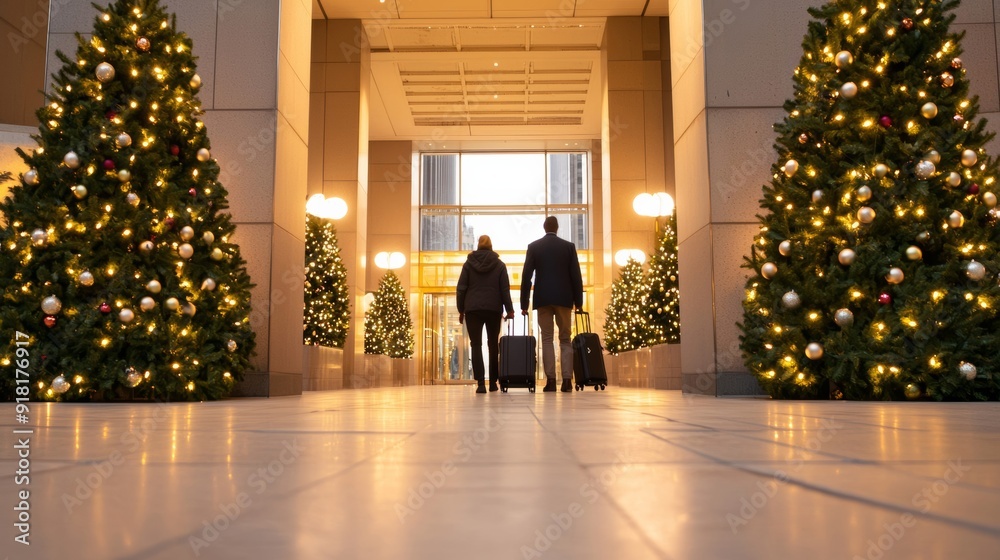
<point>253,58</point>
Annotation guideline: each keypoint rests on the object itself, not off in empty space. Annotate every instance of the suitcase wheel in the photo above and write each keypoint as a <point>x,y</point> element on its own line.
<point>603,387</point>
<point>531,389</point>
<point>597,388</point>
<point>579,387</point>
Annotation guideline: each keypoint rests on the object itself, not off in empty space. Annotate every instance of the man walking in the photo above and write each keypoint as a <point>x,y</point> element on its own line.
<point>555,266</point>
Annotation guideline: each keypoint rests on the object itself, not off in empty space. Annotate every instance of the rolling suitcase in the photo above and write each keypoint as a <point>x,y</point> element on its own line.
<point>588,356</point>
<point>518,361</point>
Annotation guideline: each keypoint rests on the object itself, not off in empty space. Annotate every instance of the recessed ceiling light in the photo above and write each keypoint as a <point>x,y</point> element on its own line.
<point>495,96</point>
<point>495,64</point>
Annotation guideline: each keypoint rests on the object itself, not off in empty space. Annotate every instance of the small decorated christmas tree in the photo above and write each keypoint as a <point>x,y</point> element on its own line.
<point>625,324</point>
<point>875,270</point>
<point>663,312</point>
<point>328,308</point>
<point>388,325</point>
<point>124,271</point>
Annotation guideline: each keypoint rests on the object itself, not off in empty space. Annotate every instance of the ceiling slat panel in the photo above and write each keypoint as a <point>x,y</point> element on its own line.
<point>450,9</point>
<point>592,8</point>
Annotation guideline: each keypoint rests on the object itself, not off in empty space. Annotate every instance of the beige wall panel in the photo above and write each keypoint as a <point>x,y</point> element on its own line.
<point>247,56</point>
<point>689,96</point>
<point>343,76</point>
<point>695,258</point>
<point>319,33</point>
<point>975,11</point>
<point>395,152</point>
<point>290,182</point>
<point>255,241</point>
<point>624,38</point>
<point>317,131</point>
<point>341,146</point>
<point>652,79</point>
<point>650,34</point>
<point>626,75</point>
<point>345,38</point>
<point>740,161</point>
<point>295,36</point>
<point>730,243</point>
<point>287,274</point>
<point>245,152</point>
<point>317,78</point>
<point>686,37</point>
<point>980,58</point>
<point>347,190</point>
<point>623,216</point>
<point>627,135</point>
<point>655,179</point>
<point>293,99</point>
<point>692,189</point>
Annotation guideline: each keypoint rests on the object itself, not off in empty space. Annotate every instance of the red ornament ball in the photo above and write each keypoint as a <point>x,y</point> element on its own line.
<point>142,44</point>
<point>885,298</point>
<point>105,308</point>
<point>193,192</point>
<point>50,321</point>
<point>885,121</point>
<point>175,150</point>
<point>109,165</point>
<point>907,24</point>
<point>973,188</point>
<point>169,222</point>
<point>111,115</point>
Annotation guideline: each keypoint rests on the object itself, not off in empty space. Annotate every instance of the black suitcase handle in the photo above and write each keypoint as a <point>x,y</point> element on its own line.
<point>581,325</point>
<point>510,326</point>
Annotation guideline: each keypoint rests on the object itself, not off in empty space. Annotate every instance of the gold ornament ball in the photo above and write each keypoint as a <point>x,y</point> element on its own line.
<point>124,175</point>
<point>79,191</point>
<point>929,110</point>
<point>846,257</point>
<point>989,199</point>
<point>208,285</point>
<point>769,270</point>
<point>154,287</point>
<point>31,177</point>
<point>147,303</point>
<point>967,370</point>
<point>189,309</point>
<point>51,305</point>
<point>123,140</point>
<point>956,219</point>
<point>844,317</point>
<point>208,237</point>
<point>914,253</point>
<point>933,156</point>
<point>785,248</point>
<point>947,80</point>
<point>814,351</point>
<point>217,254</point>
<point>204,155</point>
<point>911,391</point>
<point>791,167</point>
<point>195,81</point>
<point>104,72</point>
<point>142,44</point>
<point>132,378</point>
<point>187,233</point>
<point>85,278</point>
<point>71,160</point>
<point>849,90</point>
<point>844,59</point>
<point>895,276</point>
<point>969,158</point>
<point>172,304</point>
<point>186,251</point>
<point>126,316</point>
<point>975,271</point>
<point>60,385</point>
<point>146,247</point>
<point>924,236</point>
<point>954,179</point>
<point>881,170</point>
<point>864,193</point>
<point>866,215</point>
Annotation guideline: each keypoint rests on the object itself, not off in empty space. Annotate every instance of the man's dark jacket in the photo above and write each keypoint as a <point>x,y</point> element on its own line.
<point>556,269</point>
<point>484,285</point>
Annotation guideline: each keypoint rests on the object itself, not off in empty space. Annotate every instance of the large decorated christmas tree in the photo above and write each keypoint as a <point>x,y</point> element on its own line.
<point>124,273</point>
<point>327,298</point>
<point>875,270</point>
<point>663,312</point>
<point>388,325</point>
<point>625,324</point>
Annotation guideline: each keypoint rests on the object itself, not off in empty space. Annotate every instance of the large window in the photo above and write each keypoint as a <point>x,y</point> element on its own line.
<point>503,195</point>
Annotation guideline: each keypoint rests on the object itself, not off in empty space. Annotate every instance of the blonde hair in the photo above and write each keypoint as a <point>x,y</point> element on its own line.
<point>485,243</point>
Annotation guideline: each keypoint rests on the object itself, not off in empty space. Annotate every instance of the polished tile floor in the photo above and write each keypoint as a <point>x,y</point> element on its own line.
<point>440,472</point>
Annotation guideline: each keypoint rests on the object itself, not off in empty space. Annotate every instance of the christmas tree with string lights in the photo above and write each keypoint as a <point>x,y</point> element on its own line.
<point>388,325</point>
<point>875,270</point>
<point>663,312</point>
<point>328,308</point>
<point>625,324</point>
<point>125,275</point>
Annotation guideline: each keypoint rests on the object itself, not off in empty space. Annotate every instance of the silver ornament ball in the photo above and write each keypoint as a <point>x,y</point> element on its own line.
<point>146,247</point>
<point>31,177</point>
<point>85,278</point>
<point>925,169</point>
<point>866,215</point>
<point>79,191</point>
<point>172,304</point>
<point>817,196</point>
<point>989,199</point>
<point>791,167</point>
<point>208,237</point>
<point>132,199</point>
<point>217,254</point>
<point>124,175</point>
<point>956,219</point>
<point>105,72</point>
<point>933,156</point>
<point>864,193</point>
<point>187,233</point>
<point>844,59</point>
<point>51,305</point>
<point>71,160</point>
<point>846,257</point>
<point>132,378</point>
<point>969,158</point>
<point>911,391</point>
<point>895,276</point>
<point>975,271</point>
<point>123,140</point>
<point>147,304</point>
<point>208,285</point>
<point>881,170</point>
<point>39,237</point>
<point>843,317</point>
<point>196,81</point>
<point>60,385</point>
<point>814,351</point>
<point>791,300</point>
<point>769,270</point>
<point>126,315</point>
<point>231,346</point>
<point>204,155</point>
<point>849,90</point>
<point>785,248</point>
<point>189,309</point>
<point>154,286</point>
<point>967,371</point>
<point>186,251</point>
<point>954,179</point>
<point>924,236</point>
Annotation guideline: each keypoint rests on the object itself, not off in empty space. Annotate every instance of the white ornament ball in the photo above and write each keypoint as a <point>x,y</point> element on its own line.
<point>196,81</point>
<point>204,155</point>
<point>817,195</point>
<point>172,304</point>
<point>132,199</point>
<point>914,253</point>
<point>208,285</point>
<point>126,315</point>
<point>925,169</point>
<point>847,256</point>
<point>60,385</point>
<point>209,237</point>
<point>154,286</point>
<point>79,191</point>
<point>933,156</point>
<point>105,72</point>
<point>85,278</point>
<point>954,179</point>
<point>967,370</point>
<point>814,351</point>
<point>147,304</point>
<point>217,254</point>
<point>231,346</point>
<point>71,160</point>
<point>791,167</point>
<point>864,193</point>
<point>187,233</point>
<point>929,110</point>
<point>844,59</point>
<point>124,175</point>
<point>39,237</point>
<point>186,251</point>
<point>866,215</point>
<point>975,271</point>
<point>791,300</point>
<point>31,176</point>
<point>895,276</point>
<point>785,248</point>
<point>51,305</point>
<point>146,247</point>
<point>769,270</point>
<point>123,140</point>
<point>989,199</point>
<point>189,309</point>
<point>956,219</point>
<point>843,317</point>
<point>849,90</point>
<point>881,170</point>
<point>132,378</point>
<point>969,158</point>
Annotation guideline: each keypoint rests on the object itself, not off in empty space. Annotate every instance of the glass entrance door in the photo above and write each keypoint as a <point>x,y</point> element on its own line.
<point>445,350</point>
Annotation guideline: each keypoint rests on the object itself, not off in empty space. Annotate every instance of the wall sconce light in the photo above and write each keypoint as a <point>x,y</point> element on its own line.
<point>653,205</point>
<point>390,261</point>
<point>328,208</point>
<point>622,257</point>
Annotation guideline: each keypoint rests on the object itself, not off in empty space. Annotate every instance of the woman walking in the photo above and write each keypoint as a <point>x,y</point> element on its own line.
<point>483,294</point>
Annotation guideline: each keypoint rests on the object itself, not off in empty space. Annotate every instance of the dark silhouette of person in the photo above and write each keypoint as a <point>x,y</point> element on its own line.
<point>483,294</point>
<point>555,267</point>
